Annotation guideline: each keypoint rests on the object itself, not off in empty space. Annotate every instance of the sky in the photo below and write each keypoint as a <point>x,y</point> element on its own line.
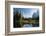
<point>26,12</point>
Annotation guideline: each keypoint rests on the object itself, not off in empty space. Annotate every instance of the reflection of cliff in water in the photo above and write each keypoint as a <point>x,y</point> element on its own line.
<point>31,25</point>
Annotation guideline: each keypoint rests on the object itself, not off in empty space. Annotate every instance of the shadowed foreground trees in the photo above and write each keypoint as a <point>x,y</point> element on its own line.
<point>16,19</point>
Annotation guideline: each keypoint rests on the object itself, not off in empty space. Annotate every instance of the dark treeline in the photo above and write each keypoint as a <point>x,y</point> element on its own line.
<point>16,18</point>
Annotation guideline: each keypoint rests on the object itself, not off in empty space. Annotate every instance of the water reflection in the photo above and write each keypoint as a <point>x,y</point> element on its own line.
<point>31,25</point>
<point>27,25</point>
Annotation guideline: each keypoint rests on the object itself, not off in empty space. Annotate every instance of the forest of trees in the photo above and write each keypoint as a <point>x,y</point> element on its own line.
<point>16,18</point>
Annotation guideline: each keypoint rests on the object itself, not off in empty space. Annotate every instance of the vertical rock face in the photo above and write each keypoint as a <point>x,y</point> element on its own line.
<point>35,15</point>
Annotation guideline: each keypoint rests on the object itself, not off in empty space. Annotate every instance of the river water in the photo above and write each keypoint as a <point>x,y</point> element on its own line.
<point>31,25</point>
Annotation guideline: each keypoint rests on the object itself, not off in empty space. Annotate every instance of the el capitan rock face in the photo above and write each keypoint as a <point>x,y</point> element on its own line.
<point>35,15</point>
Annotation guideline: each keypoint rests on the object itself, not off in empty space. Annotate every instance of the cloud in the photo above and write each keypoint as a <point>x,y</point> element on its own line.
<point>29,14</point>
